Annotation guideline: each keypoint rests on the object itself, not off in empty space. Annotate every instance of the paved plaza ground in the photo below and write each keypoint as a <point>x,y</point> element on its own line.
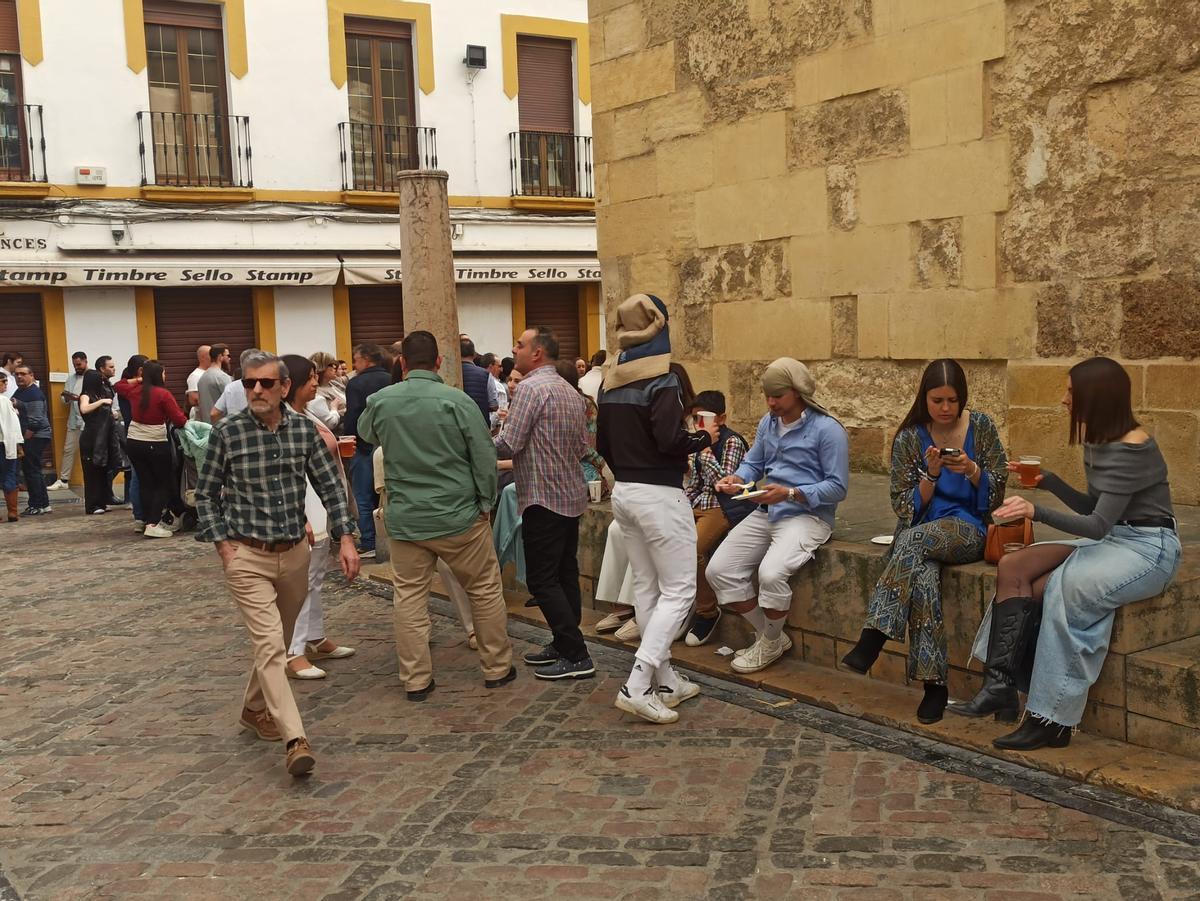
<point>123,772</point>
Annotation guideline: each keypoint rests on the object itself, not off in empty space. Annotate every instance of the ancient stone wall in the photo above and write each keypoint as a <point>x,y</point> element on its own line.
<point>869,184</point>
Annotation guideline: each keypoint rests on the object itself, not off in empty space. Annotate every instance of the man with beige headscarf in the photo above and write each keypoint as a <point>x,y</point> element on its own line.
<point>801,462</point>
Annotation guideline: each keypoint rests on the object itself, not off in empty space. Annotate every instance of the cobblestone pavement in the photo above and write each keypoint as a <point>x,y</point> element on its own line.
<point>123,772</point>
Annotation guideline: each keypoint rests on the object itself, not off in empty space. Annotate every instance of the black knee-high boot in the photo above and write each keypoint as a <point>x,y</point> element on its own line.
<point>1015,624</point>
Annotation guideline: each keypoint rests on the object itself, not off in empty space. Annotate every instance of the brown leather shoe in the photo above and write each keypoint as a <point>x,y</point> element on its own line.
<point>260,723</point>
<point>300,760</point>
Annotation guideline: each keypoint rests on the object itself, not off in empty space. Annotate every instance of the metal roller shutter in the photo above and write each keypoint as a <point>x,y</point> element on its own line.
<point>9,39</point>
<point>185,318</point>
<point>545,89</point>
<point>181,13</point>
<point>557,308</point>
<point>376,315</point>
<point>23,329</point>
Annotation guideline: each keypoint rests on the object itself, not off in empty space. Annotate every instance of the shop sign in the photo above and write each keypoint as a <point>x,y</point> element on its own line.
<point>151,273</point>
<point>369,272</point>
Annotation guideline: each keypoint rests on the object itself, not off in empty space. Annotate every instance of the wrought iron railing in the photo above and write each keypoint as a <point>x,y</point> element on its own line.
<point>195,150</point>
<point>22,143</point>
<point>545,164</point>
<point>373,154</point>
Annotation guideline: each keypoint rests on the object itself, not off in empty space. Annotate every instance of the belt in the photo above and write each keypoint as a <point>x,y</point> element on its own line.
<point>1151,522</point>
<point>271,547</point>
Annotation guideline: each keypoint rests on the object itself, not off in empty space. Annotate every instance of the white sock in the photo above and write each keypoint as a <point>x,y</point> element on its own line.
<point>638,682</point>
<point>774,628</point>
<point>757,619</point>
<point>666,678</point>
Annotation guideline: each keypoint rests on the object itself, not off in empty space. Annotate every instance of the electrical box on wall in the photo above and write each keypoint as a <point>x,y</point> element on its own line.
<point>91,175</point>
<point>476,57</point>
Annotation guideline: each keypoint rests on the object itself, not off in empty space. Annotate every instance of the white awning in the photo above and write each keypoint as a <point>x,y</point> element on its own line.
<point>478,270</point>
<point>143,271</point>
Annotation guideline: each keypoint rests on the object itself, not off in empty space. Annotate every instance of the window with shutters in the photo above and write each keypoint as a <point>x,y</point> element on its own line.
<point>185,318</point>
<point>15,125</point>
<point>376,314</point>
<point>193,139</point>
<point>557,308</point>
<point>23,327</point>
<point>547,154</point>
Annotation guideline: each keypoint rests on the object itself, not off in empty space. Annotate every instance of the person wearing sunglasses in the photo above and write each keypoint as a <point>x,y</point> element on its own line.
<point>250,504</point>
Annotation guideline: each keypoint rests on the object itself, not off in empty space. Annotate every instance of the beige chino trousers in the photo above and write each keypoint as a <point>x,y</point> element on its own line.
<point>270,589</point>
<point>471,556</point>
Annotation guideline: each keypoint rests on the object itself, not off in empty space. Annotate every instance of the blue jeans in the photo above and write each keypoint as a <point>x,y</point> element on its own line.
<point>8,472</point>
<point>133,494</point>
<point>31,466</point>
<point>362,481</point>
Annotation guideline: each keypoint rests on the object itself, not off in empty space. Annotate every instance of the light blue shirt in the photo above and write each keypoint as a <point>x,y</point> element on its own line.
<point>813,457</point>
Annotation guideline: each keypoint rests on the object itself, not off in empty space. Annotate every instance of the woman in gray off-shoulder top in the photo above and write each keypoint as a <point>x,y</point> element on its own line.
<point>1129,551</point>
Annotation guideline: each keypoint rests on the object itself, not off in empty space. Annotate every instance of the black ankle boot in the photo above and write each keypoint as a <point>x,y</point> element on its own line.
<point>864,654</point>
<point>1035,733</point>
<point>933,704</point>
<point>1014,629</point>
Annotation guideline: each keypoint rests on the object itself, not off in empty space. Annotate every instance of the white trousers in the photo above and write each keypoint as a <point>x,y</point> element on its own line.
<point>458,595</point>
<point>615,584</point>
<point>70,449</point>
<point>310,621</point>
<point>776,550</point>
<point>660,539</point>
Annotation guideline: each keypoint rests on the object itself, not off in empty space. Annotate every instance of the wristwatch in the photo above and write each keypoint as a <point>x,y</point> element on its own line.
<point>791,494</point>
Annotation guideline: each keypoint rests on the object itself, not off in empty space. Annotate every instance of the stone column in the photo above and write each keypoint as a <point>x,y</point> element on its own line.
<point>427,264</point>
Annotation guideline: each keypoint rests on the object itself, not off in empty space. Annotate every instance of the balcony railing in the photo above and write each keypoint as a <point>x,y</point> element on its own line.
<point>22,143</point>
<point>545,164</point>
<point>373,154</point>
<point>195,150</point>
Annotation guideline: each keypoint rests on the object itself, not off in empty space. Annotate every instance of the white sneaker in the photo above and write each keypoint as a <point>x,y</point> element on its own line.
<point>649,706</point>
<point>685,690</point>
<point>628,632</point>
<point>158,530</point>
<point>58,485</point>
<point>761,654</point>
<point>172,525</point>
<point>614,621</point>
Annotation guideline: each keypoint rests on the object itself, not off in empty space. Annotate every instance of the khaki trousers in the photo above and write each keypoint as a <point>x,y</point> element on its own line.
<point>270,589</point>
<point>711,526</point>
<point>472,558</point>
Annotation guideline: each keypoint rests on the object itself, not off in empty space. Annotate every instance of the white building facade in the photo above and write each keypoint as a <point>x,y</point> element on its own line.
<point>183,173</point>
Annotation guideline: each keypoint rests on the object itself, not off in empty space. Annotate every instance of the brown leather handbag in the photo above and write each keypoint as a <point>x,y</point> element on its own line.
<point>1000,535</point>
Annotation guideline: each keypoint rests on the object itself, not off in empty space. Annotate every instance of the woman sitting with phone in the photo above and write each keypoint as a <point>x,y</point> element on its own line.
<point>1129,551</point>
<point>948,474</point>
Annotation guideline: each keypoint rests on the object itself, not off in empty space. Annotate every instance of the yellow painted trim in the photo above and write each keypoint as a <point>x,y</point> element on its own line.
<point>400,10</point>
<point>29,30</point>
<point>555,204</point>
<point>263,300</point>
<point>518,310</point>
<point>23,189</point>
<point>54,324</point>
<point>236,56</point>
<point>589,314</point>
<point>382,199</point>
<point>343,342</point>
<point>147,322</point>
<point>511,26</point>
<point>169,194</point>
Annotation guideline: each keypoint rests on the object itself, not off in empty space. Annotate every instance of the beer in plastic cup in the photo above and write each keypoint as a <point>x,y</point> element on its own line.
<point>1028,469</point>
<point>1012,546</point>
<point>704,417</point>
<point>346,445</point>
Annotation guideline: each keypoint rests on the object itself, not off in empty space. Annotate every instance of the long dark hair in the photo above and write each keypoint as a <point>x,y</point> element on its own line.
<point>135,363</point>
<point>938,374</point>
<point>152,377</point>
<point>1101,401</point>
<point>300,369</point>
<point>686,392</point>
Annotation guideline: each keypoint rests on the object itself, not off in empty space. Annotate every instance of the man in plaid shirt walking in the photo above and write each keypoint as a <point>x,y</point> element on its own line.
<point>546,436</point>
<point>250,502</point>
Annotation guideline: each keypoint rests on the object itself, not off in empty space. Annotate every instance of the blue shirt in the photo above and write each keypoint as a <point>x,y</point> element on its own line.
<point>953,494</point>
<point>813,457</point>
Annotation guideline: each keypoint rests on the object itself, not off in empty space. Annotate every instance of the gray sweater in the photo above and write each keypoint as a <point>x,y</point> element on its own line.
<point>1124,481</point>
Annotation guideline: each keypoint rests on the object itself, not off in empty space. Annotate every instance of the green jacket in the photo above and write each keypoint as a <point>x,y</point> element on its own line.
<point>439,463</point>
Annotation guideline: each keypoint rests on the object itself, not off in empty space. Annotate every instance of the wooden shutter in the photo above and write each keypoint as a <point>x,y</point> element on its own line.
<point>557,308</point>
<point>376,314</point>
<point>185,318</point>
<point>546,92</point>
<point>182,14</point>
<point>23,329</point>
<point>10,41</point>
<point>378,28</point>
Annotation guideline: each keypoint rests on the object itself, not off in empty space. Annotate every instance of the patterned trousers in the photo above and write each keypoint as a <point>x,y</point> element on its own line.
<point>909,594</point>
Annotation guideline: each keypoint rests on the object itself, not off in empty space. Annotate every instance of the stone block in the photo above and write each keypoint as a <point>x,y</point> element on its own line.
<point>964,104</point>
<point>862,261</point>
<point>830,593</point>
<point>937,253</point>
<point>1103,719</point>
<point>1161,318</point>
<point>868,449</point>
<point>927,111</point>
<point>1172,616</point>
<point>632,178</point>
<point>750,149</point>
<point>1079,319</point>
<point>991,324</point>
<point>685,164</point>
<point>1170,737</point>
<point>653,273</point>
<point>979,268</point>
<point>936,183</point>
<point>1109,689</point>
<point>760,271</point>
<point>862,127</point>
<point>1178,437</point>
<point>1037,384</point>
<point>792,204</point>
<point>1172,386</point>
<point>623,32</point>
<point>872,326</point>
<point>911,13</point>
<point>682,113</point>
<point>841,182</point>
<point>597,8</point>
<point>634,77</point>
<point>818,649</point>
<point>1044,432</point>
<point>1164,682</point>
<point>636,226</point>
<point>626,136</point>
<point>759,330</point>
<point>845,326</point>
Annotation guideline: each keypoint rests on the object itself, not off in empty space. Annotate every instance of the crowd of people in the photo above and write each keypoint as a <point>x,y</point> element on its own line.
<point>300,463</point>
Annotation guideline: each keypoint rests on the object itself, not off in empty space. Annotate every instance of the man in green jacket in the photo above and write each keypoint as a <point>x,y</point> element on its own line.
<point>439,466</point>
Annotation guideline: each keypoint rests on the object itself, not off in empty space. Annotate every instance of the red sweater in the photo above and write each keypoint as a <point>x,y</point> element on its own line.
<point>163,407</point>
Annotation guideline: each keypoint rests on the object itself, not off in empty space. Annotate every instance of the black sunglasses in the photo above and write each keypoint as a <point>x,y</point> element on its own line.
<point>267,384</point>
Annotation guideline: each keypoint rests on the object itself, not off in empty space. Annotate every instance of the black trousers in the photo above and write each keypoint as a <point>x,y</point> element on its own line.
<point>97,486</point>
<point>552,574</point>
<point>152,462</point>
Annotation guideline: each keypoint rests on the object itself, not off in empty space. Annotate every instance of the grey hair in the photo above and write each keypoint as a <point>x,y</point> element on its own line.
<point>254,358</point>
<point>245,355</point>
